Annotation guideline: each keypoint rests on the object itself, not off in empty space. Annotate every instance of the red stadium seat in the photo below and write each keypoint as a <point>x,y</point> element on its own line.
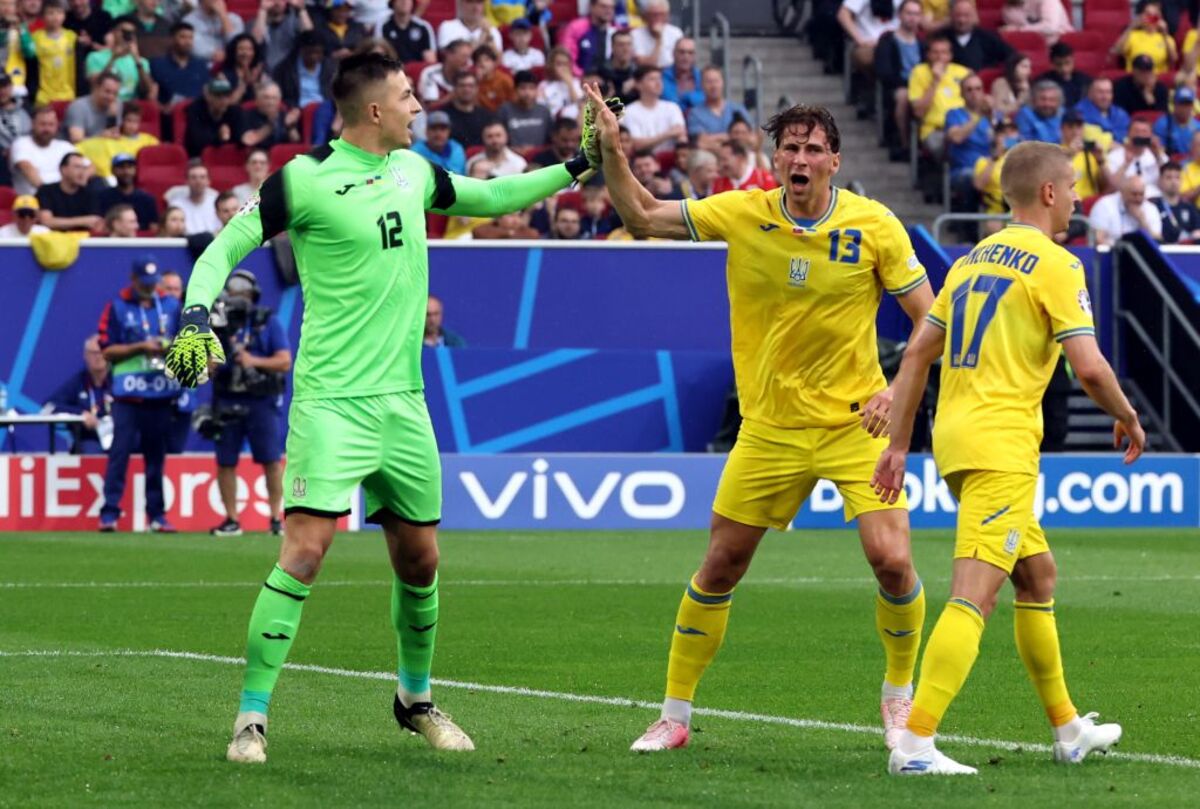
<point>1121,6</point>
<point>1147,115</point>
<point>990,18</point>
<point>281,153</point>
<point>989,75</point>
<point>7,196</point>
<point>160,167</point>
<point>1087,202</point>
<point>1090,62</point>
<point>473,150</point>
<point>151,118</point>
<point>666,160</point>
<point>413,71</point>
<point>1028,42</point>
<point>1085,41</point>
<point>225,177</point>
<point>60,109</point>
<point>227,154</point>
<point>538,72</point>
<point>179,122</point>
<point>569,199</point>
<point>306,120</point>
<point>435,225</point>
<point>439,11</point>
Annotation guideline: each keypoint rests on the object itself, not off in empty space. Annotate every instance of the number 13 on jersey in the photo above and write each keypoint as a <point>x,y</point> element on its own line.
<point>993,288</point>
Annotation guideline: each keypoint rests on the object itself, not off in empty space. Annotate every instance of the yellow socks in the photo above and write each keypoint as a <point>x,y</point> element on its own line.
<point>1037,642</point>
<point>949,656</point>
<point>699,630</point>
<point>899,619</point>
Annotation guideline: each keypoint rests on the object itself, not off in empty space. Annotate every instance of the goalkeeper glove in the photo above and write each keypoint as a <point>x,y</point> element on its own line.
<point>587,161</point>
<point>187,359</point>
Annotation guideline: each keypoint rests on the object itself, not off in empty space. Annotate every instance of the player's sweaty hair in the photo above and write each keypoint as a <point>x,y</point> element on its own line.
<point>354,74</point>
<point>1027,166</point>
<point>809,118</point>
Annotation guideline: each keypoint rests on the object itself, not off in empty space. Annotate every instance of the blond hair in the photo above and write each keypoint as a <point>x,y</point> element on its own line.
<point>1027,166</point>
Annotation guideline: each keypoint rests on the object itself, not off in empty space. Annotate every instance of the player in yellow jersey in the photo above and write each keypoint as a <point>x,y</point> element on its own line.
<point>808,264</point>
<point>998,324</point>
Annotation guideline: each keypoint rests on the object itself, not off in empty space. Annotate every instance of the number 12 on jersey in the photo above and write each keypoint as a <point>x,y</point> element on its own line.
<point>994,287</point>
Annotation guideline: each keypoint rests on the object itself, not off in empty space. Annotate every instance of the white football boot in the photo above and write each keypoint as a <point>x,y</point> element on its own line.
<point>1092,737</point>
<point>249,745</point>
<point>665,734</point>
<point>926,761</point>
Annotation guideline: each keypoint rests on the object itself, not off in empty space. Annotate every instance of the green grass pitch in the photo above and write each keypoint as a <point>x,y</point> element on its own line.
<point>103,719</point>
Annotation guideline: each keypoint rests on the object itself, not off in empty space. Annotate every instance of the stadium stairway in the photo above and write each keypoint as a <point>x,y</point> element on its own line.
<point>790,71</point>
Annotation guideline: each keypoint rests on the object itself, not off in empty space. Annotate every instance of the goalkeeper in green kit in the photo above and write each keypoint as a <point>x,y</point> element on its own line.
<point>355,211</point>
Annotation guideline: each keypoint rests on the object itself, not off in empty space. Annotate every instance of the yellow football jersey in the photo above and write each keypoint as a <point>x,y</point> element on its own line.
<point>1005,307</point>
<point>803,296</point>
<point>56,66</point>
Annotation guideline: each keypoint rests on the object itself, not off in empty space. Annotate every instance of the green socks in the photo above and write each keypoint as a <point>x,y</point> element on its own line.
<point>415,617</point>
<point>273,626</point>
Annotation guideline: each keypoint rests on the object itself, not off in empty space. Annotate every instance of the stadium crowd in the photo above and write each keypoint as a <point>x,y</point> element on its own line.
<point>160,118</point>
<point>957,84</point>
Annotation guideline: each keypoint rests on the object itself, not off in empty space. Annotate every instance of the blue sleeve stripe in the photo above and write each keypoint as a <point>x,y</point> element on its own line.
<point>908,287</point>
<point>936,321</point>
<point>1065,333</point>
<point>687,220</point>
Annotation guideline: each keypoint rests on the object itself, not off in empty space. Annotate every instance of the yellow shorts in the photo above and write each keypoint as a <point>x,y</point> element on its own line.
<point>995,517</point>
<point>771,471</point>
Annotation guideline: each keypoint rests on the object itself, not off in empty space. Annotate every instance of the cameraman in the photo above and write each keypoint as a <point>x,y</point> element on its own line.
<point>247,395</point>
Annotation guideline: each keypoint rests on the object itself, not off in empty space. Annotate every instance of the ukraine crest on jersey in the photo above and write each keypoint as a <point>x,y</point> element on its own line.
<point>1006,306</point>
<point>803,296</point>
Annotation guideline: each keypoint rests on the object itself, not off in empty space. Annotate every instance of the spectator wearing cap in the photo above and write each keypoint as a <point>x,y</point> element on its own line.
<point>96,112</point>
<point>436,82</point>
<point>968,138</point>
<point>438,147</point>
<point>14,123</point>
<point>35,158</point>
<point>1139,156</point>
<point>215,25</point>
<point>1098,110</point>
<point>307,75</point>
<point>973,47</point>
<point>126,139</point>
<point>340,34</point>
<point>411,37</point>
<point>621,67</point>
<point>1074,84</point>
<point>180,74</point>
<point>1140,90</point>
<point>655,124</point>
<point>1087,157</point>
<point>1046,17</point>
<point>214,120</point>
<point>526,121</point>
<point>654,42</point>
<point>1042,119</point>
<point>495,86</point>
<point>69,204</point>
<point>471,24</point>
<point>25,219</point>
<point>1147,35</point>
<point>121,222</point>
<point>197,199</point>
<point>276,27</point>
<point>152,27</point>
<point>126,192</point>
<point>586,38</point>
<point>1180,218</point>
<point>681,81</point>
<point>521,56</point>
<point>135,329</point>
<point>267,124</point>
<point>708,122</point>
<point>504,161</point>
<point>1174,131</point>
<point>258,168</point>
<point>121,57</point>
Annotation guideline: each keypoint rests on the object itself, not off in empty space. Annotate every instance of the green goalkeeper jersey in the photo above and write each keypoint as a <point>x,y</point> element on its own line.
<point>357,226</point>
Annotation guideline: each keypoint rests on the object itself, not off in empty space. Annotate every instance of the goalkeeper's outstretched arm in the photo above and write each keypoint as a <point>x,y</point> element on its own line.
<point>642,214</point>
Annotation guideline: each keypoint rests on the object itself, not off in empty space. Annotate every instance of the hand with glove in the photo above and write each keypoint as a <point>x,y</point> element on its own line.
<point>193,347</point>
<point>585,164</point>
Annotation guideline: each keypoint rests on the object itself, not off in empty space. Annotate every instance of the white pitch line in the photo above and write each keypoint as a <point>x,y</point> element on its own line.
<point>450,582</point>
<point>564,696</point>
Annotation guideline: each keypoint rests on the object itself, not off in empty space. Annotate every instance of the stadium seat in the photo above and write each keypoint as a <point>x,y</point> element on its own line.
<point>227,154</point>
<point>435,225</point>
<point>569,199</point>
<point>1085,42</point>
<point>179,122</point>
<point>991,18</point>
<point>60,109</point>
<point>439,11</point>
<point>1147,115</point>
<point>225,177</point>
<point>1087,202</point>
<point>306,120</point>
<point>473,150</point>
<point>989,75</point>
<point>1030,43</point>
<point>159,168</point>
<point>1090,62</point>
<point>151,118</point>
<point>283,152</point>
<point>1122,6</point>
<point>413,71</point>
<point>7,195</point>
<point>539,72</point>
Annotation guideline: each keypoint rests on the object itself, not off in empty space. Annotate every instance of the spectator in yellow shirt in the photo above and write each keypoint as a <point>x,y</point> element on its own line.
<point>54,48</point>
<point>1147,35</point>
<point>128,139</point>
<point>1087,157</point>
<point>935,88</point>
<point>987,174</point>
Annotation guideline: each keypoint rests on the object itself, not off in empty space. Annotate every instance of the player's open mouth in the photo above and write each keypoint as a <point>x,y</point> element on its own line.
<point>799,179</point>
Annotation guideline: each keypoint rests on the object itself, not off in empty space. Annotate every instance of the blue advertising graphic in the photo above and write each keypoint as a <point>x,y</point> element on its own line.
<point>528,491</point>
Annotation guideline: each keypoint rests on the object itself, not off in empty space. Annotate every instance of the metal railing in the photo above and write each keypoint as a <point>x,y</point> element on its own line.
<point>752,72</point>
<point>692,29</point>
<point>1163,349</point>
<point>718,44</point>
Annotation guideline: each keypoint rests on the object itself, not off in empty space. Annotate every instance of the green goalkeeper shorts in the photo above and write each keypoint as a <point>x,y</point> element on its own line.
<point>384,442</point>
